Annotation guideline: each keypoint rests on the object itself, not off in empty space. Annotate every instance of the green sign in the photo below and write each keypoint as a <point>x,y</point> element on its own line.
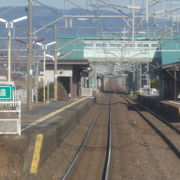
<point>91,82</point>
<point>6,92</point>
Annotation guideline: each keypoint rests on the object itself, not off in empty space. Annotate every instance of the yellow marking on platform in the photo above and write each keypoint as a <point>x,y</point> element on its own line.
<point>173,102</point>
<point>36,155</point>
<point>44,118</point>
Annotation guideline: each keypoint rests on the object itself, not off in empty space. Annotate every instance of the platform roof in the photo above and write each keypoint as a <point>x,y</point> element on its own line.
<point>169,57</point>
<point>169,67</point>
<point>169,52</point>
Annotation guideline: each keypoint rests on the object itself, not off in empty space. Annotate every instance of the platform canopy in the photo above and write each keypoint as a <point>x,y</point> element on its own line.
<point>170,84</point>
<point>169,52</point>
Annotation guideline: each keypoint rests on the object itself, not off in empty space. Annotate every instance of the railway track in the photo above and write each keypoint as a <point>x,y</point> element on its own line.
<point>92,159</point>
<point>168,132</point>
<point>157,116</point>
<point>137,150</point>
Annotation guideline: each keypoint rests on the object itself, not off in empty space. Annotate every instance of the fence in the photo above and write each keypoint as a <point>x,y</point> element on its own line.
<point>10,112</point>
<point>10,117</point>
<point>149,91</point>
<point>20,95</point>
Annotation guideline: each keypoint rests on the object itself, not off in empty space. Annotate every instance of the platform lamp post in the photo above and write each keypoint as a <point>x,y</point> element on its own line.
<point>9,25</point>
<point>175,82</point>
<point>44,48</point>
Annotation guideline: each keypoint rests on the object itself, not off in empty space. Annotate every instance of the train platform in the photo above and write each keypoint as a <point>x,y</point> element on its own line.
<point>47,112</point>
<point>45,127</point>
<point>169,109</point>
<point>175,103</point>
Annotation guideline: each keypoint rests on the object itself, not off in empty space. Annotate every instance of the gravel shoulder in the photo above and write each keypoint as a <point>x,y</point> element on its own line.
<point>138,152</point>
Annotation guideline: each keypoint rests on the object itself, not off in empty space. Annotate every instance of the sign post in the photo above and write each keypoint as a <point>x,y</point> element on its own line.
<point>6,92</point>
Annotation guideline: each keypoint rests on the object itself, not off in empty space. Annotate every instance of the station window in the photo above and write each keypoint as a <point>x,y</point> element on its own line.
<point>101,45</point>
<point>154,45</point>
<point>88,45</point>
<point>130,45</point>
<point>115,45</point>
<point>142,45</point>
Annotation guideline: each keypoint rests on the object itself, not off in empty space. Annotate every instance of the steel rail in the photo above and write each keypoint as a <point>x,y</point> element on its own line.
<point>73,162</point>
<point>106,170</point>
<point>159,132</point>
<point>157,116</point>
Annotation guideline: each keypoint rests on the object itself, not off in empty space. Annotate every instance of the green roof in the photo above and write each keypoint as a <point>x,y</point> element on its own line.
<point>169,57</point>
<point>71,47</point>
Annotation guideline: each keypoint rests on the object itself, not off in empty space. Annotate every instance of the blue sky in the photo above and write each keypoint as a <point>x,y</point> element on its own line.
<point>57,3</point>
<point>82,3</point>
<point>61,3</point>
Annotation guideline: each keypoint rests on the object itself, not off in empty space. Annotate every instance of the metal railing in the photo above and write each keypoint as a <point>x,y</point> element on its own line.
<point>86,92</point>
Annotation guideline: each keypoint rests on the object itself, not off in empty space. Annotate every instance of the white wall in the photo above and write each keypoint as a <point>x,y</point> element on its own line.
<point>65,71</point>
<point>120,50</point>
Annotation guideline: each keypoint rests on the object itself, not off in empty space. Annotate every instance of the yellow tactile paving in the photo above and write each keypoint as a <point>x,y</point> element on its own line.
<point>44,118</point>
<point>174,102</point>
<point>36,154</point>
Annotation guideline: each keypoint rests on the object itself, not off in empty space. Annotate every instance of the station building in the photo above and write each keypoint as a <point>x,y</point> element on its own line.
<point>85,60</point>
<point>168,68</point>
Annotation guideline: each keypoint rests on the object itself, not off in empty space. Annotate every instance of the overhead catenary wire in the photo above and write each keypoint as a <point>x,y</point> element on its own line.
<point>78,6</point>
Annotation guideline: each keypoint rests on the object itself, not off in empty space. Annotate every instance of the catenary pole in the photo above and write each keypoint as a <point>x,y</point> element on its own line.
<point>9,53</point>
<point>55,62</point>
<point>44,75</point>
<point>29,64</point>
<point>133,21</point>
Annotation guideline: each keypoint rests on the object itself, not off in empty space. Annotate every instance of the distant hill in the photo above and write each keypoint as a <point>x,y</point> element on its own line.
<point>43,16</point>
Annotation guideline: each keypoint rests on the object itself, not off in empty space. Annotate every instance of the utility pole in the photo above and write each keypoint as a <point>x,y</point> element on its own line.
<point>140,75</point>
<point>147,11</point>
<point>29,64</point>
<point>44,71</point>
<point>133,20</point>
<point>148,75</point>
<point>55,62</point>
<point>9,55</point>
<point>37,80</point>
<point>175,85</point>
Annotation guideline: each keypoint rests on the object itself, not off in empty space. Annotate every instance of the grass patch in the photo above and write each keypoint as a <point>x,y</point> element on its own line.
<point>12,151</point>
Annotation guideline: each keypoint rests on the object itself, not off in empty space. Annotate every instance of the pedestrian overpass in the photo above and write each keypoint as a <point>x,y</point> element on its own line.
<point>97,49</point>
<point>119,50</point>
<point>110,56</point>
